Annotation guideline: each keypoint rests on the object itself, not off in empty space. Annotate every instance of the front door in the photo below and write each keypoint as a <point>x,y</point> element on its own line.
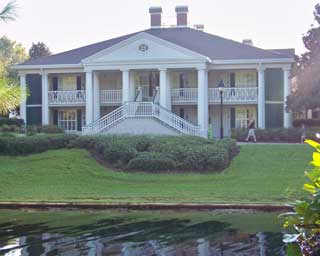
<point>148,81</point>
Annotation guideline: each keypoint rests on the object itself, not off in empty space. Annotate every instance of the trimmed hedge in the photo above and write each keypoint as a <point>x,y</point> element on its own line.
<point>35,144</point>
<point>291,135</point>
<point>144,153</point>
<point>170,152</point>
<point>307,122</point>
<point>151,161</point>
<point>11,121</point>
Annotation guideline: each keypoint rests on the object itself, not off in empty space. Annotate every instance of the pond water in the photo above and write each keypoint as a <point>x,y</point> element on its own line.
<point>29,232</point>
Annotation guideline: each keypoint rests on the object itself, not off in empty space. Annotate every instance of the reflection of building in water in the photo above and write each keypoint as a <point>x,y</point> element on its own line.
<point>232,243</point>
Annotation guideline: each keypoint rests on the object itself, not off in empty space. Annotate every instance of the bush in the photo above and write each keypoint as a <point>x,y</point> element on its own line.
<point>151,161</point>
<point>11,121</point>
<point>33,129</point>
<point>118,152</point>
<point>308,122</point>
<point>35,144</point>
<point>10,128</point>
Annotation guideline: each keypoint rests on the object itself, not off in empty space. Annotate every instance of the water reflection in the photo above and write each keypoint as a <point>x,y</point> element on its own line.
<point>139,233</point>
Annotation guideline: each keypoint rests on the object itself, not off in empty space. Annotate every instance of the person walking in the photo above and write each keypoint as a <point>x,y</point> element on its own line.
<point>251,132</point>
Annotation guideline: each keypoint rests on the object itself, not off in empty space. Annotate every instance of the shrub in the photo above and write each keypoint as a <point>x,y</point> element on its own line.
<point>11,121</point>
<point>49,129</point>
<point>307,122</point>
<point>151,161</point>
<point>206,158</point>
<point>10,128</point>
<point>118,152</point>
<point>35,144</point>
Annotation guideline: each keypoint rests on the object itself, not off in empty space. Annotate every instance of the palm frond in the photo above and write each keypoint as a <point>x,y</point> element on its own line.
<point>8,13</point>
<point>10,95</point>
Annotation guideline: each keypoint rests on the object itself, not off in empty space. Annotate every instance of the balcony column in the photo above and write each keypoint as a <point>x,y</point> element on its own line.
<point>89,98</point>
<point>96,96</point>
<point>261,98</point>
<point>45,99</point>
<point>169,103</point>
<point>163,88</point>
<point>287,116</point>
<point>132,90</point>
<point>203,101</point>
<point>125,85</point>
<point>23,105</point>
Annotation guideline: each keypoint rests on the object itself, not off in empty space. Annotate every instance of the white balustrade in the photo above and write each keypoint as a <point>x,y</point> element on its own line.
<point>184,95</point>
<point>142,109</point>
<point>234,95</point>
<point>110,96</point>
<point>230,95</point>
<point>67,97</point>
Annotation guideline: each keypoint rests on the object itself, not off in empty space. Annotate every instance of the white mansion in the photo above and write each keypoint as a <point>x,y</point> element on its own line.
<point>159,81</point>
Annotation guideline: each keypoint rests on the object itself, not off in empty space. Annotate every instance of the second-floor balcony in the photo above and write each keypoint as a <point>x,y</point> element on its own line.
<point>78,97</point>
<point>240,95</point>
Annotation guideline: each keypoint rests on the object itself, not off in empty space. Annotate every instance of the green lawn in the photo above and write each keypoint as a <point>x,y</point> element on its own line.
<point>259,174</point>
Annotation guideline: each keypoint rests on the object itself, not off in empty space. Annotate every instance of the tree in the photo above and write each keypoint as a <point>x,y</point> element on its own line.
<point>38,50</point>
<point>11,53</point>
<point>10,95</point>
<point>8,13</point>
<point>307,73</point>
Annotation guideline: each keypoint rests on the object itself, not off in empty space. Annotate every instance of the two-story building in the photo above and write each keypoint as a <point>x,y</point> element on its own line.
<point>159,81</point>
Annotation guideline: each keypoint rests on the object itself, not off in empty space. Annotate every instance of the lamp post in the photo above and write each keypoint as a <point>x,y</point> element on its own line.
<point>221,89</point>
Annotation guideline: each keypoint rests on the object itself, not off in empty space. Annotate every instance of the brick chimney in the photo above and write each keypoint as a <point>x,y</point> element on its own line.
<point>155,16</point>
<point>247,41</point>
<point>182,16</point>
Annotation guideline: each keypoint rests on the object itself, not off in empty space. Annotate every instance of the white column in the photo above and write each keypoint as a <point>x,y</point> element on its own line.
<point>45,99</point>
<point>163,88</point>
<point>89,98</point>
<point>261,98</point>
<point>203,101</point>
<point>287,116</point>
<point>23,104</point>
<point>125,85</point>
<point>132,86</point>
<point>96,96</point>
<point>169,103</point>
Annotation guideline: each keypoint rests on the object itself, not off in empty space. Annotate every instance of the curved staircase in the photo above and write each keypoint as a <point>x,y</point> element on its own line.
<point>141,109</point>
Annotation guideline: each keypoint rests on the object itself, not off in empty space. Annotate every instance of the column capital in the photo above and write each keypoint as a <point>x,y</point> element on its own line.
<point>125,69</point>
<point>162,69</point>
<point>202,68</point>
<point>89,71</point>
<point>261,68</point>
<point>286,68</point>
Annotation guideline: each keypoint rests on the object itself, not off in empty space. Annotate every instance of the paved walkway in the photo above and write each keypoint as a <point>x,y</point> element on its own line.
<point>267,143</point>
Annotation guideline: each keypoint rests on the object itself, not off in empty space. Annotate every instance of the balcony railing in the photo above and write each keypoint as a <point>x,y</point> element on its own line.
<point>110,96</point>
<point>67,97</point>
<point>184,95</point>
<point>234,95</point>
<point>230,95</point>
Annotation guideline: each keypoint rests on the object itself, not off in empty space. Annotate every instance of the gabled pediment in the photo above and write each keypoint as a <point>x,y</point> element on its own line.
<point>143,47</point>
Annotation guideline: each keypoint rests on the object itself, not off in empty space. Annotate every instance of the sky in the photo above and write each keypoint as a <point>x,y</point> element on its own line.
<point>66,24</point>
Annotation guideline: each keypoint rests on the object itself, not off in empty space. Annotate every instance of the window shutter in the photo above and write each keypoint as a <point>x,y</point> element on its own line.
<point>78,82</point>
<point>232,118</point>
<point>55,83</point>
<point>232,79</point>
<point>79,119</point>
<point>55,117</point>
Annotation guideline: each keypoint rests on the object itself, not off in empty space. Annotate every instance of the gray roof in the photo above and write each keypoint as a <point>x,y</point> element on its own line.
<point>214,47</point>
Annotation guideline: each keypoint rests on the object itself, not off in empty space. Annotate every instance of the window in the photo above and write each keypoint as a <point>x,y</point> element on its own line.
<point>67,120</point>
<point>243,114</point>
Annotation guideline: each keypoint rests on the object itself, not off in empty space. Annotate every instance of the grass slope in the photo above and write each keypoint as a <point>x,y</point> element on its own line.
<point>260,174</point>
